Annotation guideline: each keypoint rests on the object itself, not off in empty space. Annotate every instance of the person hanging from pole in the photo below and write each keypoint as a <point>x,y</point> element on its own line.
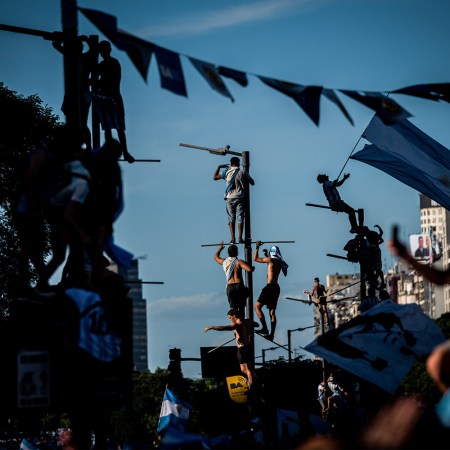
<point>237,181</point>
<point>271,292</point>
<point>243,330</point>
<point>108,100</point>
<point>334,198</point>
<point>237,292</point>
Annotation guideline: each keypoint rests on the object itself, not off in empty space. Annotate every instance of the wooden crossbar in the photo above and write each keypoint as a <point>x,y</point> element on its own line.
<point>317,206</point>
<point>252,242</point>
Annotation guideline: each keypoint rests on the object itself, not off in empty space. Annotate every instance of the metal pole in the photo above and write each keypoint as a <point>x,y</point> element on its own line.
<point>289,345</point>
<point>322,313</point>
<point>248,251</point>
<point>71,63</point>
<point>95,132</point>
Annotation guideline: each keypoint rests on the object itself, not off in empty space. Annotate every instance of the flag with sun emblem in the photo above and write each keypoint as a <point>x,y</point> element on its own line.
<point>211,74</point>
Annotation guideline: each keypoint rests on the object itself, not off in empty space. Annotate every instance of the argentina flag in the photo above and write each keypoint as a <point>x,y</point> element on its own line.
<point>174,413</point>
<point>408,154</point>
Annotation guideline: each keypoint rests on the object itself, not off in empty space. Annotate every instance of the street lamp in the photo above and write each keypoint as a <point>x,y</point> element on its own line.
<point>264,350</point>
<point>289,339</point>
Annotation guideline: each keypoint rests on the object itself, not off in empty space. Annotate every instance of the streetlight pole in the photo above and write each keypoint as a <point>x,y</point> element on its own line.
<point>289,338</point>
<point>245,155</point>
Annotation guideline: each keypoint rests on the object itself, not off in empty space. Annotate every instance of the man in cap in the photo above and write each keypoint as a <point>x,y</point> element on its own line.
<point>271,292</point>
<point>237,181</point>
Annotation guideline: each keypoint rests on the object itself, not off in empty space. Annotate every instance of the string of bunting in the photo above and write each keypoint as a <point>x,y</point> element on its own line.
<point>308,98</point>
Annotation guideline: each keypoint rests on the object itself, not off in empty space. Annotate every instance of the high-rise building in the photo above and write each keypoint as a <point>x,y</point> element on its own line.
<point>139,315</point>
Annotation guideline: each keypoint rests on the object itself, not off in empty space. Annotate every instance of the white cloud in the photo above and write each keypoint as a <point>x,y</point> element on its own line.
<point>232,16</point>
<point>187,304</point>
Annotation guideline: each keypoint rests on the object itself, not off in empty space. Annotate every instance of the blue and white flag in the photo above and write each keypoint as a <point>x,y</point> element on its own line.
<point>170,71</point>
<point>138,50</point>
<point>388,110</point>
<point>236,75</point>
<point>211,74</point>
<point>27,445</point>
<point>307,97</point>
<point>173,412</point>
<point>381,344</point>
<point>332,96</point>
<point>408,154</point>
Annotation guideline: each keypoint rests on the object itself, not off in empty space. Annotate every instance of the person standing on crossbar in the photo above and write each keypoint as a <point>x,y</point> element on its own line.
<point>334,198</point>
<point>271,292</point>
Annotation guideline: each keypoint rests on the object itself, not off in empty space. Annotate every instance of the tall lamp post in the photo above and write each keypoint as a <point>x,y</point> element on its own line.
<point>245,155</point>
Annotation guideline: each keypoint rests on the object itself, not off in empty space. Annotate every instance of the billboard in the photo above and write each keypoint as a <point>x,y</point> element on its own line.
<point>425,247</point>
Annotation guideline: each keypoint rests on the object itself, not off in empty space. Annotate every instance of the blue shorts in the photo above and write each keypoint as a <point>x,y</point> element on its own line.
<point>235,208</point>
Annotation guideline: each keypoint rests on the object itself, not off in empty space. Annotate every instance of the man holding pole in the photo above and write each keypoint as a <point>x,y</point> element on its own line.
<point>243,330</point>
<point>237,181</point>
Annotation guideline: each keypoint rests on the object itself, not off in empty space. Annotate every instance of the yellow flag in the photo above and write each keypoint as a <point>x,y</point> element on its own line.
<point>237,388</point>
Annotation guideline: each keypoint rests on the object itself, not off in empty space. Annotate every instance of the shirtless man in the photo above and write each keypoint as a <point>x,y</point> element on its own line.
<point>318,292</point>
<point>270,293</point>
<point>243,329</point>
<point>237,292</point>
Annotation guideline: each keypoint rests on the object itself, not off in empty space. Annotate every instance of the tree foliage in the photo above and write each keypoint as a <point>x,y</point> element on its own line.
<point>24,124</point>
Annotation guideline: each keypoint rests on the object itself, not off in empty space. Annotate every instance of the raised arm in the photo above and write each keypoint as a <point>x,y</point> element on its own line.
<point>256,256</point>
<point>217,256</point>
<point>338,183</point>
<point>217,175</point>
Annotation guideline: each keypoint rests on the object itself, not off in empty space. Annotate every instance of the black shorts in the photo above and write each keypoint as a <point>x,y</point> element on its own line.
<point>269,295</point>
<point>243,354</point>
<point>237,294</point>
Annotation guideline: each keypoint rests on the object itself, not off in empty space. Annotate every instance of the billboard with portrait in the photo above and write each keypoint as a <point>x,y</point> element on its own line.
<point>425,247</point>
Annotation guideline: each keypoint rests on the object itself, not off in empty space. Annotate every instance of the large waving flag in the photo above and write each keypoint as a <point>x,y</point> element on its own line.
<point>307,97</point>
<point>174,413</point>
<point>408,154</point>
<point>381,344</point>
<point>212,77</point>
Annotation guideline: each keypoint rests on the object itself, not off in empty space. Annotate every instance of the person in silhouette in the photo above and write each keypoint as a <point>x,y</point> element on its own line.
<point>271,292</point>
<point>334,198</point>
<point>243,329</point>
<point>237,181</point>
<point>88,61</point>
<point>108,99</point>
<point>237,292</point>
<point>319,293</point>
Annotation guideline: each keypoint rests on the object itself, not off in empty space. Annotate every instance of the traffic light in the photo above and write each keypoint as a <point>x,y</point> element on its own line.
<point>175,364</point>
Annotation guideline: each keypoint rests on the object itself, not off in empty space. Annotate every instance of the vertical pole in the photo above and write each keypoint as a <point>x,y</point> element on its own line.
<point>71,63</point>
<point>289,345</point>
<point>322,323</point>
<point>95,131</point>
<point>248,252</point>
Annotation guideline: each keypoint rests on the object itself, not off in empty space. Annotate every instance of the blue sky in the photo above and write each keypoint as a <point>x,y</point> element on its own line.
<point>173,207</point>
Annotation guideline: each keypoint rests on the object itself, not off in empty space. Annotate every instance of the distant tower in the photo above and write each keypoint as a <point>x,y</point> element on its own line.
<point>140,345</point>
